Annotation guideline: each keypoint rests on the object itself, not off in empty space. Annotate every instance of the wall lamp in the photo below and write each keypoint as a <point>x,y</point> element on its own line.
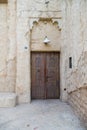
<point>46,40</point>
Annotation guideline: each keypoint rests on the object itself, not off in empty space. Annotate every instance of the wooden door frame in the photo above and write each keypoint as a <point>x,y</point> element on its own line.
<point>31,71</point>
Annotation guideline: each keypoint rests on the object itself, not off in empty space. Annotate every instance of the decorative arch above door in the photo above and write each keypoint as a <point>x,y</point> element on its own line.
<point>45,27</point>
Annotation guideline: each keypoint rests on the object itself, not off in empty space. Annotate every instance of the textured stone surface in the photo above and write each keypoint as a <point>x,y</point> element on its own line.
<point>40,115</point>
<point>8,99</point>
<point>78,100</point>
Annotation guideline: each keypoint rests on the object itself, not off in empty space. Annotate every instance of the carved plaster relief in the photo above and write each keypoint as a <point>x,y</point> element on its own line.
<point>40,28</point>
<point>36,20</point>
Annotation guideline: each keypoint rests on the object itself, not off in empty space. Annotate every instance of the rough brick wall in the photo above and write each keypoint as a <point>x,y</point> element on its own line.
<point>78,100</point>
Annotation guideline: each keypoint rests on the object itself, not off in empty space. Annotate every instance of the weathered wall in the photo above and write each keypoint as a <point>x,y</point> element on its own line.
<point>78,100</point>
<point>23,54</point>
<point>11,56</point>
<point>7,46</point>
<point>76,47</point>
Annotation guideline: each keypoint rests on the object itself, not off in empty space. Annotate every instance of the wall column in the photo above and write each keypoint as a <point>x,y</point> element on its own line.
<point>23,55</point>
<point>11,58</point>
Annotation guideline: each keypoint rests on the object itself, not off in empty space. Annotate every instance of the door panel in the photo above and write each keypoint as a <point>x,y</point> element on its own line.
<point>45,75</point>
<point>38,75</point>
<point>52,75</point>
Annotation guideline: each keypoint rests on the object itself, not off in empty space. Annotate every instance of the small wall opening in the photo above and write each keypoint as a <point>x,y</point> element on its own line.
<point>70,62</point>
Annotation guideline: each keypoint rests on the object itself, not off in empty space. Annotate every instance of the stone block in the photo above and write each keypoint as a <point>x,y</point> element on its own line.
<point>8,99</point>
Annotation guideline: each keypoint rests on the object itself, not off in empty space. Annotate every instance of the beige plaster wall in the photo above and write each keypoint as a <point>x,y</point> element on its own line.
<point>3,46</point>
<point>11,56</point>
<point>7,46</point>
<point>76,47</point>
<point>23,54</point>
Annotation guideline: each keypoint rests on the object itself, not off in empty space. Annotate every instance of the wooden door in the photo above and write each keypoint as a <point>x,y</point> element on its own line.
<point>37,75</point>
<point>52,75</point>
<point>45,75</point>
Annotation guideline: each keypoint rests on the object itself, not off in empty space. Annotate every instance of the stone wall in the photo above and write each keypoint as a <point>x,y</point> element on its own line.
<point>76,47</point>
<point>78,100</point>
<point>38,35</point>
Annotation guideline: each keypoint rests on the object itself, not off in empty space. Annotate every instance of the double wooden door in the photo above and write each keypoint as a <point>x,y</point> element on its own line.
<point>45,75</point>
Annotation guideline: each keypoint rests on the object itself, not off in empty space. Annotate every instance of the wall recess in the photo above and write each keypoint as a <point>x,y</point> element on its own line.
<point>70,62</point>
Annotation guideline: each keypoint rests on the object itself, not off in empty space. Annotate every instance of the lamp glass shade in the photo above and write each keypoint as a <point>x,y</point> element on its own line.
<point>46,40</point>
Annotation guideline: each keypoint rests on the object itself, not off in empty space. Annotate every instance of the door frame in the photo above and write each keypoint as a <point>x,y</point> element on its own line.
<point>31,71</point>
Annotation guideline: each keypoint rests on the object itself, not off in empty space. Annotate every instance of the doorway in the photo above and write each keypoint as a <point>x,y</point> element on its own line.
<point>45,75</point>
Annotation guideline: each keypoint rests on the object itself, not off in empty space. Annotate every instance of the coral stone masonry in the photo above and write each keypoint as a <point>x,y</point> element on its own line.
<point>24,24</point>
